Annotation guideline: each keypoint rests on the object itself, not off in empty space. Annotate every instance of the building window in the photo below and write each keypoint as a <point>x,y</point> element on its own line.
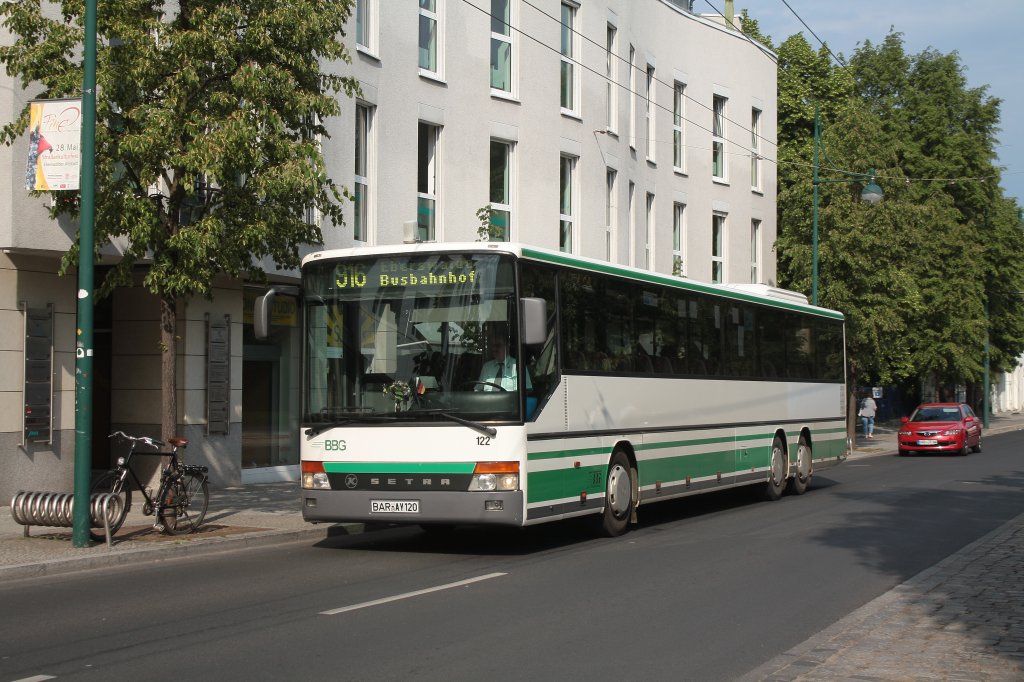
<point>426,182</point>
<point>755,251</point>
<point>566,194</point>
<point>610,207</point>
<point>649,232</point>
<point>501,45</point>
<point>631,217</point>
<point>755,149</point>
<point>501,190</point>
<point>718,248</point>
<point>568,49</point>
<point>718,138</point>
<point>649,114</point>
<point>611,71</point>
<point>678,141</point>
<point>678,238</point>
<point>632,97</point>
<point>361,205</point>
<point>366,24</point>
<point>429,36</point>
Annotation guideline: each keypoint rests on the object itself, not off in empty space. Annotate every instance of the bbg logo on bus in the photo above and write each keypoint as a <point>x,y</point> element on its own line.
<point>334,445</point>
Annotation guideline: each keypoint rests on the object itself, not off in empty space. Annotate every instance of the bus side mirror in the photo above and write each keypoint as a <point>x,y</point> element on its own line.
<point>264,305</point>
<point>261,314</point>
<point>535,320</point>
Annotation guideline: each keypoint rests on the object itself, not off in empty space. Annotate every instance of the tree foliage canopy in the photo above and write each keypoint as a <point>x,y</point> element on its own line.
<point>913,273</point>
<point>209,116</point>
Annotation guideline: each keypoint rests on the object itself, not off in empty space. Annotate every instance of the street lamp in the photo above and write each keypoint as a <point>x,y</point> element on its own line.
<point>871,194</point>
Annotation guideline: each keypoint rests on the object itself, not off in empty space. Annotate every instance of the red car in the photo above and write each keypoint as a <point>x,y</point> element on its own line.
<point>940,427</point>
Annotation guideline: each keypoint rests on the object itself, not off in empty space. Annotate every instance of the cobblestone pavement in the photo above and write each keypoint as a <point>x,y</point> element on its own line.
<point>962,619</point>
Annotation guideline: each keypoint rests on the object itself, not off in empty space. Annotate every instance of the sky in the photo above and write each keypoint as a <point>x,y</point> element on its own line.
<point>985,33</point>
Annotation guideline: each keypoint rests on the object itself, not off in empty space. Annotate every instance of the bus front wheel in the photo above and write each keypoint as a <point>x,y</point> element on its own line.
<point>618,500</point>
<point>777,468</point>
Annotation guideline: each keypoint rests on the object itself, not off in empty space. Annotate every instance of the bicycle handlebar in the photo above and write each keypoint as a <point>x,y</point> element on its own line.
<point>145,440</point>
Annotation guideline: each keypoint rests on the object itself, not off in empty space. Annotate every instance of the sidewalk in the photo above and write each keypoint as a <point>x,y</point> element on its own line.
<point>962,619</point>
<point>249,515</point>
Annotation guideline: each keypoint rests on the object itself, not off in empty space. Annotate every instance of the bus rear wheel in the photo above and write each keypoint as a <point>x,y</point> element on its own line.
<point>802,476</point>
<point>618,500</point>
<point>777,468</point>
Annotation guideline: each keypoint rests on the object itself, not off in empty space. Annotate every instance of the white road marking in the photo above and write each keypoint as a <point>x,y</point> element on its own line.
<point>36,678</point>
<point>407,595</point>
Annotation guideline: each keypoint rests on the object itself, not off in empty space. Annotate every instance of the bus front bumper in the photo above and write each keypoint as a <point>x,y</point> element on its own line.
<point>433,507</point>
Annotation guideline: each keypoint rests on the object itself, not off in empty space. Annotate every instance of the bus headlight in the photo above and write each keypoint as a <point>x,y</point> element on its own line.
<point>315,481</point>
<point>314,477</point>
<point>483,482</point>
<point>491,476</point>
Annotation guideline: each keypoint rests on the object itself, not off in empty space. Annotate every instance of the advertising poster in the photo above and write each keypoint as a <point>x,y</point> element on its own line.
<point>54,153</point>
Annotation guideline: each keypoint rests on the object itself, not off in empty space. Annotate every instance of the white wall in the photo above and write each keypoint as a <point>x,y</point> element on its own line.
<point>709,58</point>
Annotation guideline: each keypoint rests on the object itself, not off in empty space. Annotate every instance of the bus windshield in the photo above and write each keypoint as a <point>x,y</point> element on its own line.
<point>418,337</point>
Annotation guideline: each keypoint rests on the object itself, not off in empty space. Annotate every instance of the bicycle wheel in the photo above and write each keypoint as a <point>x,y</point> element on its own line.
<point>111,482</point>
<point>185,503</point>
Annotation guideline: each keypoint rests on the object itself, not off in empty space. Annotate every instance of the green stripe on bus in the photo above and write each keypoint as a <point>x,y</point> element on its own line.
<point>399,467</point>
<point>569,482</point>
<point>553,485</point>
<point>577,452</point>
<point>672,469</point>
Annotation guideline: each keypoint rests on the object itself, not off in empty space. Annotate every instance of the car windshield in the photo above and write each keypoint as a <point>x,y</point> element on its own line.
<point>936,414</point>
<point>411,338</point>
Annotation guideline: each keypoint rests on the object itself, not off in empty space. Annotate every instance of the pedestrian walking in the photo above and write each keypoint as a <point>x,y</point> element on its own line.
<point>867,415</point>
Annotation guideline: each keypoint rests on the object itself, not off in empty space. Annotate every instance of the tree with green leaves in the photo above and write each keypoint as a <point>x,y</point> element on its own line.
<point>209,121</point>
<point>913,273</point>
<point>944,133</point>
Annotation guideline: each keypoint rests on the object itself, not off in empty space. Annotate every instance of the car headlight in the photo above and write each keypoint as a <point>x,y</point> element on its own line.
<point>952,432</point>
<point>906,433</point>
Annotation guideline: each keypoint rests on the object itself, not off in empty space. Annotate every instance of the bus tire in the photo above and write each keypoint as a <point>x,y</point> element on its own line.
<point>778,466</point>
<point>802,476</point>
<point>618,500</point>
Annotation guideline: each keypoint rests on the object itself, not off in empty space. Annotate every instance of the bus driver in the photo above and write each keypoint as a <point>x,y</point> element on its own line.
<point>500,370</point>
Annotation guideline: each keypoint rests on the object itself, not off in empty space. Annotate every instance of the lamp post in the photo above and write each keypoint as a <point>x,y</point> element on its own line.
<point>80,516</point>
<point>871,194</point>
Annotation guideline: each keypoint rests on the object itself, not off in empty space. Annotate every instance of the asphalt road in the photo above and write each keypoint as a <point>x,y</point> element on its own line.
<point>703,589</point>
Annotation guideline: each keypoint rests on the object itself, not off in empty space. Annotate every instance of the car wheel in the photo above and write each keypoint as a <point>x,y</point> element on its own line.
<point>966,449</point>
<point>977,448</point>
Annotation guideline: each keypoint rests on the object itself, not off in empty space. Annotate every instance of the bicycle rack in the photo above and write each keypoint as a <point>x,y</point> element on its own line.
<point>55,510</point>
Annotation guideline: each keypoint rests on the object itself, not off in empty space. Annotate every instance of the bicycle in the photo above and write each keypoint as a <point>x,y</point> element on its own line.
<point>181,500</point>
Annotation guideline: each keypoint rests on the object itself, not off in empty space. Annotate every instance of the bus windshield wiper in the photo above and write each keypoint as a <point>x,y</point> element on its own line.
<point>343,418</point>
<point>476,426</point>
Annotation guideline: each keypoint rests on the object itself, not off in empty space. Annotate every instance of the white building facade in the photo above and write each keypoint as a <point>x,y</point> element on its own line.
<point>632,131</point>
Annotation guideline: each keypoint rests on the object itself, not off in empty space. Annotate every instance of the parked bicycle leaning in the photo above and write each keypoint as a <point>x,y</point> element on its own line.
<point>183,494</point>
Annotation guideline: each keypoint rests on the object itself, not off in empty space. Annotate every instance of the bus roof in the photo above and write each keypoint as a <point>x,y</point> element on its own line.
<point>753,293</point>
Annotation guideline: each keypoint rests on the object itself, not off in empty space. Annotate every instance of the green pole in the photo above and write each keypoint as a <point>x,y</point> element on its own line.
<point>985,407</point>
<point>814,208</point>
<point>83,345</point>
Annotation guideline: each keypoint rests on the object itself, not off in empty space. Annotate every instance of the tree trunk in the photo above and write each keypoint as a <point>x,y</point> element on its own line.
<point>851,406</point>
<point>168,366</point>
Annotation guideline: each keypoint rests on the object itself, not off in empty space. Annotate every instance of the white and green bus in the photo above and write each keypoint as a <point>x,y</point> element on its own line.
<point>495,383</point>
